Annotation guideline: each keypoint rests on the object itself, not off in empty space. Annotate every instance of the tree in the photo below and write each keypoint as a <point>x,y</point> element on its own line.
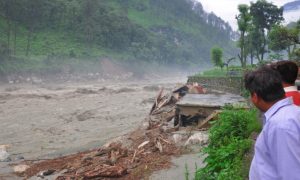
<point>255,43</point>
<point>296,54</point>
<point>265,15</point>
<point>250,42</point>
<point>296,51</point>
<point>243,20</point>
<point>6,8</point>
<point>282,38</point>
<point>88,13</point>
<point>216,56</point>
<point>34,12</point>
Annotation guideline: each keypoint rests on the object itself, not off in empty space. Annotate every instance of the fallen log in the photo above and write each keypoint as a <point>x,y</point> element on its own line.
<point>204,123</point>
<point>157,100</point>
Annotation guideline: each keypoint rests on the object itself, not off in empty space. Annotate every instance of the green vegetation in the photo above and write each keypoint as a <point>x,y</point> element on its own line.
<point>231,71</point>
<point>217,57</point>
<point>229,144</point>
<point>243,21</point>
<point>215,72</point>
<point>169,32</point>
<point>261,33</point>
<point>283,38</point>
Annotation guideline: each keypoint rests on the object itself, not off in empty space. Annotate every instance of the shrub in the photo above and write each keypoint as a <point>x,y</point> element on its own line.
<point>228,144</point>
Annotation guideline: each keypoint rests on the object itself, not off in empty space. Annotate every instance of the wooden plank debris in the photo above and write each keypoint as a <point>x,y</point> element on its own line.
<point>213,116</point>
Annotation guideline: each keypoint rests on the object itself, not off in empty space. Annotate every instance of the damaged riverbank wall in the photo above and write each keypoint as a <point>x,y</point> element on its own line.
<point>227,84</point>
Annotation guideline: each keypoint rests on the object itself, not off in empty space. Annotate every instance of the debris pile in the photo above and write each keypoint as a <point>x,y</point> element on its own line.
<point>164,108</point>
<point>133,156</point>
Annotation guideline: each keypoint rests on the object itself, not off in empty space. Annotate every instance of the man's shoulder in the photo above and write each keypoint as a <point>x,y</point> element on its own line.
<point>287,117</point>
<point>289,111</point>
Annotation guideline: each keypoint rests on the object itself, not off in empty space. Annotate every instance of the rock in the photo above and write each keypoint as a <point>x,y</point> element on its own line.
<point>47,172</point>
<point>19,157</point>
<point>177,138</point>
<point>4,156</point>
<point>20,168</point>
<point>197,138</point>
<point>7,159</point>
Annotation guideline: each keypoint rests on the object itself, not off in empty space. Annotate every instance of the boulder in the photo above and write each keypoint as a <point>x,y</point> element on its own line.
<point>4,156</point>
<point>20,168</point>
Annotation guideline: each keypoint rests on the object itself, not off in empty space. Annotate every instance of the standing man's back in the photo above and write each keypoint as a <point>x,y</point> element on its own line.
<point>277,148</point>
<point>288,71</point>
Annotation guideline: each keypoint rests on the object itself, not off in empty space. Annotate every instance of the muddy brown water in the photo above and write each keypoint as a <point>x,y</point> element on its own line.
<point>46,121</point>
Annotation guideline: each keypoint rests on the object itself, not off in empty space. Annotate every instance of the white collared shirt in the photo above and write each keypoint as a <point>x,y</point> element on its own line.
<point>290,89</point>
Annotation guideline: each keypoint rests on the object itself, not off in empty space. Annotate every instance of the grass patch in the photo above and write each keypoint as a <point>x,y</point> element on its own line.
<point>216,72</point>
<point>232,71</point>
<point>229,145</point>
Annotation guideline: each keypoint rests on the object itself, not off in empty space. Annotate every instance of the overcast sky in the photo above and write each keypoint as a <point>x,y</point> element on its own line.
<point>227,9</point>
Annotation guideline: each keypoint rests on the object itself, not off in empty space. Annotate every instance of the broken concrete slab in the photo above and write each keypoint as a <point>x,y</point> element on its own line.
<point>209,100</point>
<point>201,108</point>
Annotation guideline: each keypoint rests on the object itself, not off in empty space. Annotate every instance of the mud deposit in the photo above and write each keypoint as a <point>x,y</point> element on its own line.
<point>46,121</point>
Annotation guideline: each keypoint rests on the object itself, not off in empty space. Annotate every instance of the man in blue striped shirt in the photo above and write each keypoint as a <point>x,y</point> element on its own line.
<point>277,148</point>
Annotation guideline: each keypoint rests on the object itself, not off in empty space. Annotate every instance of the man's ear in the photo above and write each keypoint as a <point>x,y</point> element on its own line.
<point>254,98</point>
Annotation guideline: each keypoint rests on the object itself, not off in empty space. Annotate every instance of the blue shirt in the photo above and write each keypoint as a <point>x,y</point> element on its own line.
<point>277,148</point>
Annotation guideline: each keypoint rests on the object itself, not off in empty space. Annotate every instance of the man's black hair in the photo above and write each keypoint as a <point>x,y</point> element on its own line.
<point>288,71</point>
<point>266,83</point>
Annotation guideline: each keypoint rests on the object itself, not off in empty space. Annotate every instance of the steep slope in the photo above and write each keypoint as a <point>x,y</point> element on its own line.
<point>166,32</point>
<point>184,25</point>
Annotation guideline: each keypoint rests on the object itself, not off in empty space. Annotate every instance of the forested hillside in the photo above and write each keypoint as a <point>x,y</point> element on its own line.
<point>167,32</point>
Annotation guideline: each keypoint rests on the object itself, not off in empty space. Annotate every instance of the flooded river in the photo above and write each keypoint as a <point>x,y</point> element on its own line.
<point>44,121</point>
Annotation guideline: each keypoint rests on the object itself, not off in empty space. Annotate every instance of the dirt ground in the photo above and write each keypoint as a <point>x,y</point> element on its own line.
<point>46,121</point>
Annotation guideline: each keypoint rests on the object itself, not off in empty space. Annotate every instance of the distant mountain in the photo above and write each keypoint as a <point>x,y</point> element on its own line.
<point>292,6</point>
<point>291,11</point>
<point>162,31</point>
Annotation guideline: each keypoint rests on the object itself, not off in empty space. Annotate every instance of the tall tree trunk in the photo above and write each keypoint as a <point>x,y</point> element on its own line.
<point>8,36</point>
<point>262,53</point>
<point>63,16</point>
<point>28,40</point>
<point>251,57</point>
<point>73,19</point>
<point>242,49</point>
<point>258,56</point>
<point>88,13</point>
<point>15,38</point>
<point>264,46</point>
<point>289,52</point>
